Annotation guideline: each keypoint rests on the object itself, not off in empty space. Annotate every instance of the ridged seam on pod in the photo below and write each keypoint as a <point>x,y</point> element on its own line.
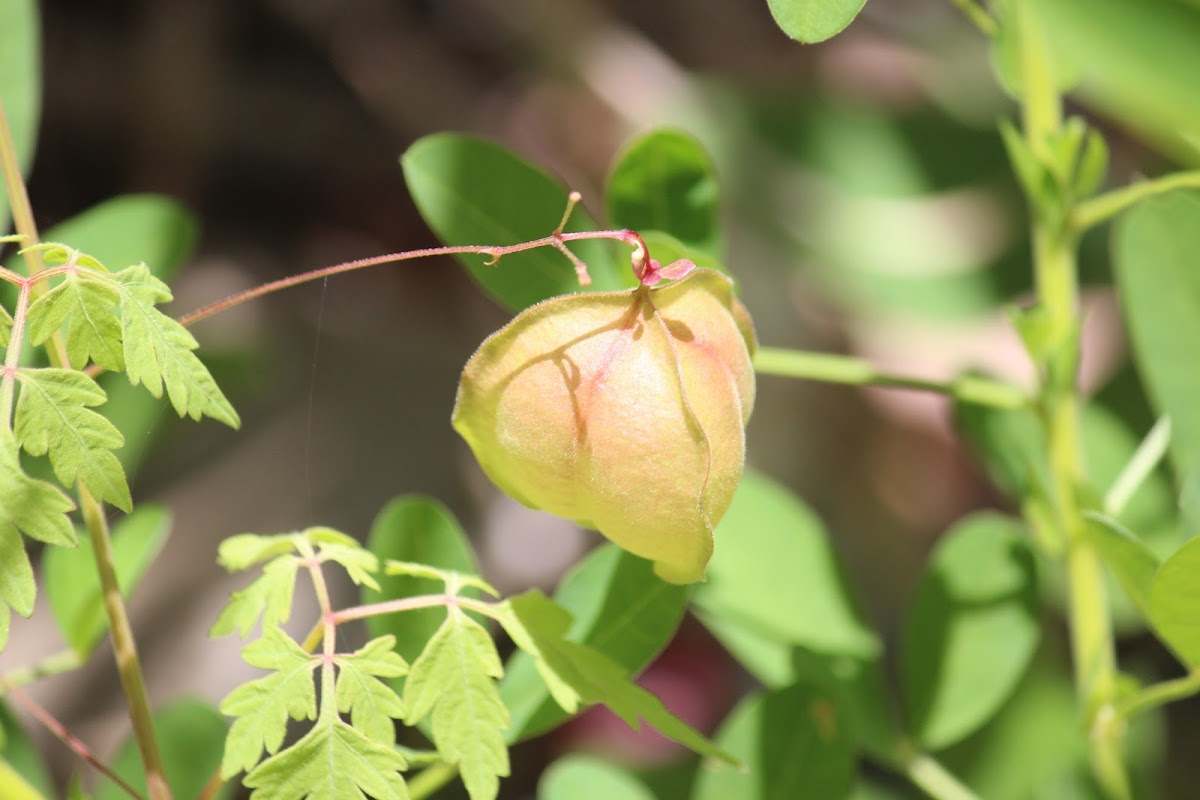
<point>623,411</point>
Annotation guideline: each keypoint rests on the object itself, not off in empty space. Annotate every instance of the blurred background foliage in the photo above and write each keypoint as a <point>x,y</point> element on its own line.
<point>867,207</point>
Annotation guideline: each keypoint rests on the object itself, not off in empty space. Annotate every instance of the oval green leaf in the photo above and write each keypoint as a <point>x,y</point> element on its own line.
<point>69,575</point>
<point>972,629</point>
<point>587,778</point>
<point>191,735</point>
<point>665,182</point>
<point>1132,563</point>
<point>1175,603</point>
<point>775,573</point>
<point>422,531</point>
<point>795,742</point>
<point>473,192</point>
<point>812,21</point>
<point>620,608</point>
<point>1155,266</point>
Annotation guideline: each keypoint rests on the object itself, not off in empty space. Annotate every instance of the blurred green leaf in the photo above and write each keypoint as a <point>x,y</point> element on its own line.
<point>1139,63</point>
<point>1132,563</point>
<point>664,181</point>
<point>575,777</point>
<point>70,575</point>
<point>1175,602</point>
<point>620,608</point>
<point>775,572</point>
<point>795,743</point>
<point>191,735</point>
<point>972,628</point>
<point>473,192</point>
<point>811,21</point>
<point>420,530</point>
<point>1155,264</point>
<point>20,81</point>
<point>665,248</point>
<point>19,752</point>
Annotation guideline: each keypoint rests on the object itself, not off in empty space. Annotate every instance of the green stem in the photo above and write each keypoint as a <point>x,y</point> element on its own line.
<point>851,371</point>
<point>1148,454</point>
<point>1056,280</point>
<point>979,16</point>
<point>1159,694</point>
<point>55,664</point>
<point>430,779</point>
<point>124,646</point>
<point>1106,206</point>
<point>935,780</point>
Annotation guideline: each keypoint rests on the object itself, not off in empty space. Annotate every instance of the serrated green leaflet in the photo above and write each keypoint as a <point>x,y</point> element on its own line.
<point>269,596</point>
<point>54,416</point>
<point>5,326</point>
<point>620,608</point>
<point>247,549</point>
<point>85,301</point>
<point>455,680</point>
<point>37,508</point>
<point>332,762</point>
<point>73,589</point>
<point>371,703</point>
<point>575,671</point>
<point>158,350</point>
<point>358,563</point>
<point>17,587</point>
<point>263,706</point>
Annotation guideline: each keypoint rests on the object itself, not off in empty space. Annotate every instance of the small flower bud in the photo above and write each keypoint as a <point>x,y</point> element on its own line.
<point>623,411</point>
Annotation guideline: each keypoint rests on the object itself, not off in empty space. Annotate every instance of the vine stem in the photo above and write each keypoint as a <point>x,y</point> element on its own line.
<point>66,737</point>
<point>1056,281</point>
<point>830,368</point>
<point>935,780</point>
<point>124,645</point>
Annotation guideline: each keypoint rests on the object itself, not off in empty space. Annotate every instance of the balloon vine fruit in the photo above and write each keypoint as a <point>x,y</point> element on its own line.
<point>623,411</point>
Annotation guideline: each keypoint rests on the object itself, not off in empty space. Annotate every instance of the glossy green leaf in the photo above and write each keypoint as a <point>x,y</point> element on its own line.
<point>191,735</point>
<point>20,81</point>
<point>70,575</point>
<point>1132,563</point>
<point>1175,602</point>
<point>620,608</point>
<point>775,572</point>
<point>1155,266</point>
<point>19,752</point>
<point>795,743</point>
<point>972,628</point>
<point>473,192</point>
<point>811,21</point>
<point>575,777</point>
<point>664,181</point>
<point>419,530</point>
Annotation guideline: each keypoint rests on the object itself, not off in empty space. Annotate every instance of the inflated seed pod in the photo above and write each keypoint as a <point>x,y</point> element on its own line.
<point>623,411</point>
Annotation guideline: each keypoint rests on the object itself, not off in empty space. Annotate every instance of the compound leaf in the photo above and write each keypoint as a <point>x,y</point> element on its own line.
<point>263,706</point>
<point>158,350</point>
<point>371,703</point>
<point>86,302</point>
<point>455,680</point>
<point>54,416</point>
